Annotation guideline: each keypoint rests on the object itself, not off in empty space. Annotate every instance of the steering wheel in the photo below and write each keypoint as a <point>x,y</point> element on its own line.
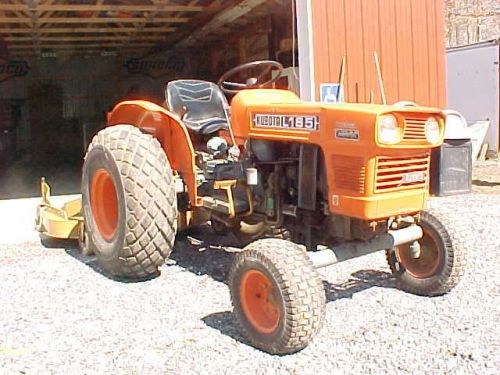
<point>265,66</point>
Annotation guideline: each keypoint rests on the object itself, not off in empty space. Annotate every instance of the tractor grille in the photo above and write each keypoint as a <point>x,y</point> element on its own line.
<point>414,130</point>
<point>394,174</point>
<point>349,173</point>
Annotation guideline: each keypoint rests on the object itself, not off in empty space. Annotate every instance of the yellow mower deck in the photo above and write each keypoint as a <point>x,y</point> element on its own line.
<point>60,223</point>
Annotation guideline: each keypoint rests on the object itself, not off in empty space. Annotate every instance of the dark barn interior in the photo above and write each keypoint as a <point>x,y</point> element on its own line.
<point>64,64</point>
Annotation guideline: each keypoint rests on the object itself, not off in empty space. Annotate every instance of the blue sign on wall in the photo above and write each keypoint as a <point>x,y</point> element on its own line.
<point>332,93</point>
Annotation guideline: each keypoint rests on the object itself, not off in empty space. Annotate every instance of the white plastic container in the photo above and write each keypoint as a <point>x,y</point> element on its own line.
<point>252,176</point>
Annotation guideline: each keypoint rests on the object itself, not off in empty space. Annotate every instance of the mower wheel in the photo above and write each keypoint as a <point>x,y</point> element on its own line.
<point>278,296</point>
<point>441,260</point>
<point>129,202</point>
<point>84,244</point>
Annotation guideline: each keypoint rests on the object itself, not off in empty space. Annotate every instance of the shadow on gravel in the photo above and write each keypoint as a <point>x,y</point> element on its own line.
<point>71,248</point>
<point>225,323</point>
<point>358,281</point>
<point>204,259</point>
<point>485,183</point>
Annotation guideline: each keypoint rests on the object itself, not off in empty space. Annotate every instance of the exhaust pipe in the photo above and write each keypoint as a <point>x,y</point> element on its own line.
<point>354,249</point>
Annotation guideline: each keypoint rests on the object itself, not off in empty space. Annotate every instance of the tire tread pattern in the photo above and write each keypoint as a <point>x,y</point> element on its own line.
<point>151,202</point>
<point>301,288</point>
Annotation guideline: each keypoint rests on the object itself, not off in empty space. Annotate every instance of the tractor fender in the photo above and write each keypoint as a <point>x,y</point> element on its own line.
<point>170,132</point>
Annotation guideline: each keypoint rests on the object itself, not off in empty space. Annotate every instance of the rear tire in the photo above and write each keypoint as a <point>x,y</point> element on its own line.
<point>278,296</point>
<point>129,202</point>
<point>442,261</point>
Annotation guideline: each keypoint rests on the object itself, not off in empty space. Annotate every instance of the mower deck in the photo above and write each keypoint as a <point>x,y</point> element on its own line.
<point>58,223</point>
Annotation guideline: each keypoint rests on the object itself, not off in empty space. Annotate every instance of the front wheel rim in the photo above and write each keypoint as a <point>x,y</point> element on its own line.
<point>104,203</point>
<point>429,261</point>
<point>259,301</point>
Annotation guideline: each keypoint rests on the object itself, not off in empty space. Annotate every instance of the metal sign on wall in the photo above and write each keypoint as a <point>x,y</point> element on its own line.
<point>156,65</point>
<point>13,68</point>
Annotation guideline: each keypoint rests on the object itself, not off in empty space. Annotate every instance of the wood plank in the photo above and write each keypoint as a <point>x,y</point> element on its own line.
<point>23,53</point>
<point>147,15</point>
<point>13,7</point>
<point>483,152</point>
<point>222,18</point>
<point>58,20</point>
<point>112,20</point>
<point>82,38</point>
<point>196,22</point>
<point>118,48</point>
<point>70,30</point>
<point>82,45</point>
<point>102,8</point>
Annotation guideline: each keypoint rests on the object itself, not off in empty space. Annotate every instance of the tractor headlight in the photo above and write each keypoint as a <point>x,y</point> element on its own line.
<point>388,130</point>
<point>432,131</point>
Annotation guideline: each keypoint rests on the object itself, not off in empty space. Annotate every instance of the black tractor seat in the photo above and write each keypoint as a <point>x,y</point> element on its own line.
<point>200,104</point>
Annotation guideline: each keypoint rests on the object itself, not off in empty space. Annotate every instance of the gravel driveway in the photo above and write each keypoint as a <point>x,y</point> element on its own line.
<point>59,314</point>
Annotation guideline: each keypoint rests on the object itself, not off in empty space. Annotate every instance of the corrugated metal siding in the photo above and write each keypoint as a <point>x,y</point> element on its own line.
<point>409,36</point>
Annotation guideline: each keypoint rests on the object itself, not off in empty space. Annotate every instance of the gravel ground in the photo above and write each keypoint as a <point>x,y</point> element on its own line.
<point>60,314</point>
<point>486,177</point>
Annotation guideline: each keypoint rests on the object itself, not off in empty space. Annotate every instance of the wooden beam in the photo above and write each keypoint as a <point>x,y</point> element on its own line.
<point>73,46</point>
<point>104,8</point>
<point>98,3</point>
<point>149,16</point>
<point>196,22</point>
<point>13,7</point>
<point>81,38</point>
<point>90,30</point>
<point>226,16</point>
<point>242,46</point>
<point>6,20</point>
<point>45,14</point>
<point>20,54</point>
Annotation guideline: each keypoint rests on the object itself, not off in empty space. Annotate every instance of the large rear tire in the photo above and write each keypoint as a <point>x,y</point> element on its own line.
<point>129,202</point>
<point>442,259</point>
<point>278,296</point>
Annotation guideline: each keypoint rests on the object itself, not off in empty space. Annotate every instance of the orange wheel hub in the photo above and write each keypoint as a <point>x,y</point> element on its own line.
<point>104,203</point>
<point>258,300</point>
<point>429,261</point>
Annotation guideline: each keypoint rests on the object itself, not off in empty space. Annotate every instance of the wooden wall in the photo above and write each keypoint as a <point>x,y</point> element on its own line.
<point>409,36</point>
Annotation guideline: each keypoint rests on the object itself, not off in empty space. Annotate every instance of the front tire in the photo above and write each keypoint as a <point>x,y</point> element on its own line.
<point>278,296</point>
<point>129,202</point>
<point>442,259</point>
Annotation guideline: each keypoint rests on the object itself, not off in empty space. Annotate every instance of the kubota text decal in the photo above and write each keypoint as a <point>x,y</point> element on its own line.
<point>295,122</point>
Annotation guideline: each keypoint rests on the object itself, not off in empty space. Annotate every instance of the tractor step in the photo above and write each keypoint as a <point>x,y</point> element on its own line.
<point>223,206</point>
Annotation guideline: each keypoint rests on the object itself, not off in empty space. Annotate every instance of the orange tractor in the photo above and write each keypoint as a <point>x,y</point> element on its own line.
<point>304,185</point>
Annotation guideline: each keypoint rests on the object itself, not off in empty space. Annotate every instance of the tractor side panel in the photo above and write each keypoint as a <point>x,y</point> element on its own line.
<point>170,132</point>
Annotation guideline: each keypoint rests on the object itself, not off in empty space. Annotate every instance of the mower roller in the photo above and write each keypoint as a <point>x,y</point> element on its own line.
<point>302,184</point>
